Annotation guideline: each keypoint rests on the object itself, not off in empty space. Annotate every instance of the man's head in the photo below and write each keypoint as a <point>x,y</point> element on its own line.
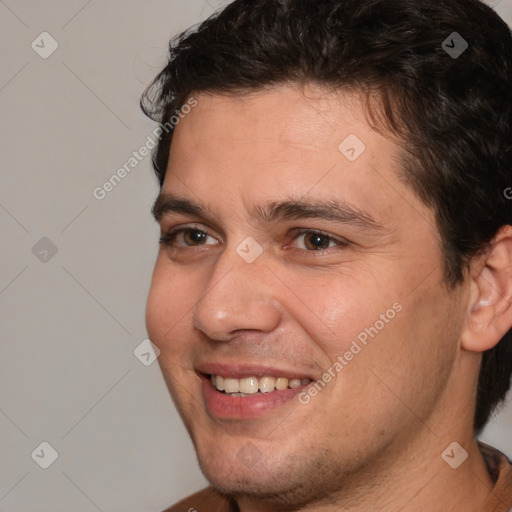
<point>342,176</point>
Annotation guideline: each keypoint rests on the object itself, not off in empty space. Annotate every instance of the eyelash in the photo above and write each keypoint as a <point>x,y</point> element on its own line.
<point>169,239</point>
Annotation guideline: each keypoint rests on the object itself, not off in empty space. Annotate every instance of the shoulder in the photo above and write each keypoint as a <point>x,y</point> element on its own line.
<point>500,469</point>
<point>208,499</point>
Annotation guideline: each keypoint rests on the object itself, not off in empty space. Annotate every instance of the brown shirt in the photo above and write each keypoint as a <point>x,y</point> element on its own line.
<point>500,499</point>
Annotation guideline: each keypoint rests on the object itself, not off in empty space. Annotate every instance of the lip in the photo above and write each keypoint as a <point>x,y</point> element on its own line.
<point>223,406</point>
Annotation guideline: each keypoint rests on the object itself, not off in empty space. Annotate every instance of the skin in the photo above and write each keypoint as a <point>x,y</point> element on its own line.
<point>372,439</point>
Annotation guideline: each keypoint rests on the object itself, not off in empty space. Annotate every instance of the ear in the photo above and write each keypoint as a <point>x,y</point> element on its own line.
<point>490,308</point>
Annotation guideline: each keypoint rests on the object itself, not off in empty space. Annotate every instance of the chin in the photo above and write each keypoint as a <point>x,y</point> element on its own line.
<point>258,486</point>
<point>281,480</point>
<point>241,468</point>
<point>283,494</point>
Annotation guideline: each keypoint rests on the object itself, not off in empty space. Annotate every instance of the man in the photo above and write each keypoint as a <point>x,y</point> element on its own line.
<point>332,294</point>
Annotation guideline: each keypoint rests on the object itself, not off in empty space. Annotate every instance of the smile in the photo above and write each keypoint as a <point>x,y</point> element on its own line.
<point>231,398</point>
<point>253,385</point>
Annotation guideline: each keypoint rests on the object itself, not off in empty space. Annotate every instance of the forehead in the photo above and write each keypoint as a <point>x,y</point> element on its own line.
<point>283,117</point>
<point>232,151</point>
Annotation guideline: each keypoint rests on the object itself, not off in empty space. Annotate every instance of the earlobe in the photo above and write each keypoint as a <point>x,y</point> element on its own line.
<point>490,308</point>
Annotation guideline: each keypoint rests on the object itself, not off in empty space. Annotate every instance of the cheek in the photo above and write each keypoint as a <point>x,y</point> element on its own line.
<point>387,337</point>
<point>169,300</point>
<point>410,359</point>
<point>353,307</point>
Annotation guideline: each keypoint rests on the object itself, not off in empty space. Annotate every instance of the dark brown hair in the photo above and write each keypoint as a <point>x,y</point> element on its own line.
<point>452,113</point>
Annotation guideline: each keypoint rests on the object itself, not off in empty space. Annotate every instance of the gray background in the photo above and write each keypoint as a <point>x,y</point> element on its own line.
<point>70,321</point>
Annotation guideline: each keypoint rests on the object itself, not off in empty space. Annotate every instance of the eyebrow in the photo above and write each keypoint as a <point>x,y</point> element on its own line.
<point>289,209</point>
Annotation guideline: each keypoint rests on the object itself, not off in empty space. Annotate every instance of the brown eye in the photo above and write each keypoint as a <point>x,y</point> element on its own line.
<point>194,237</point>
<point>313,241</point>
<point>187,237</point>
<point>316,241</point>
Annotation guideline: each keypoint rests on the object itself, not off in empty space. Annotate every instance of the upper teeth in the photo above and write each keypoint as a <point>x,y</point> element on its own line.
<point>251,385</point>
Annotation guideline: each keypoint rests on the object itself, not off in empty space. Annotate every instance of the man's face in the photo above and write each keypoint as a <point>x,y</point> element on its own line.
<point>298,254</point>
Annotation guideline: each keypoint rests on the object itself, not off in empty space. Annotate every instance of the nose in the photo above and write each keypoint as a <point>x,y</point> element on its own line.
<point>240,297</point>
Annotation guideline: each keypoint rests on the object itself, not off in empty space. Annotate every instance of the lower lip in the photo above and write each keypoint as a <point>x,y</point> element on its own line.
<point>225,406</point>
